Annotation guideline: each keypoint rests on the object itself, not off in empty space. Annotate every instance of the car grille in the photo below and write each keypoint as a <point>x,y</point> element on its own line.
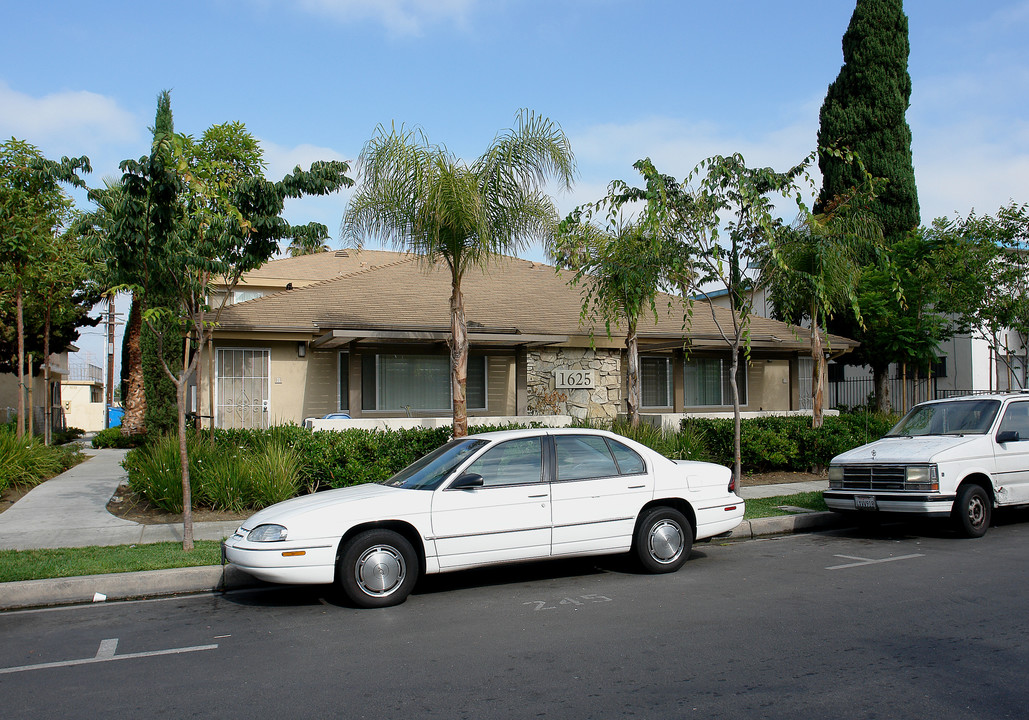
<point>873,477</point>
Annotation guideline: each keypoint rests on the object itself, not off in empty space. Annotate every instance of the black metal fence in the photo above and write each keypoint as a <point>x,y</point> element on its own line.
<point>860,392</point>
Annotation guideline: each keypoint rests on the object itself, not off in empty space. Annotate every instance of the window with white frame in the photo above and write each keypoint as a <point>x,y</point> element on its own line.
<point>707,382</point>
<point>418,382</point>
<point>656,382</point>
<point>344,381</point>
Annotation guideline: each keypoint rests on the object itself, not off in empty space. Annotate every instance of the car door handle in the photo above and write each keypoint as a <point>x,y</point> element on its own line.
<point>536,497</point>
<point>636,487</point>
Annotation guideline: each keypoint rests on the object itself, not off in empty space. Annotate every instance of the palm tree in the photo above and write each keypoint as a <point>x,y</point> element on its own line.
<point>422,198</point>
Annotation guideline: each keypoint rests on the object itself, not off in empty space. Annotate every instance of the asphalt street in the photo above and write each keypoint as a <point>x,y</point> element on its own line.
<point>895,622</point>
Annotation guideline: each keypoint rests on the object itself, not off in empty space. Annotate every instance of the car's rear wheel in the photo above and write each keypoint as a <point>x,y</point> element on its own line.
<point>972,511</point>
<point>378,568</point>
<point>663,540</point>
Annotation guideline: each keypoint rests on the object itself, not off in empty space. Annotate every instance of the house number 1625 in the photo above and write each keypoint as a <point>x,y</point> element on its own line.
<point>564,378</point>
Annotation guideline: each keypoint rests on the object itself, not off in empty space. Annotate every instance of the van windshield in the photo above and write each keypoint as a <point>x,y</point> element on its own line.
<point>961,417</point>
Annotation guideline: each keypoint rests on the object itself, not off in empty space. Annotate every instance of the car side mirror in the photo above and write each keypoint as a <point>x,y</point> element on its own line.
<point>467,481</point>
<point>1006,436</point>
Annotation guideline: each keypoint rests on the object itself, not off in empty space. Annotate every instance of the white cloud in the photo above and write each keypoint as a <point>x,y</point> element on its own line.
<point>281,160</point>
<point>75,121</point>
<point>400,17</point>
<point>327,210</point>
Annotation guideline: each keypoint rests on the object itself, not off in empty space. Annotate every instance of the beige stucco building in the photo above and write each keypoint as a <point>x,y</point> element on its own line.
<point>365,333</point>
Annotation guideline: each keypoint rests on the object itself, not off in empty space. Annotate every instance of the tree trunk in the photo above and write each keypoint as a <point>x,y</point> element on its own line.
<point>134,402</point>
<point>818,373</point>
<point>458,359</point>
<point>737,424</point>
<point>187,495</point>
<point>633,375</point>
<point>48,405</point>
<point>20,321</point>
<point>881,380</point>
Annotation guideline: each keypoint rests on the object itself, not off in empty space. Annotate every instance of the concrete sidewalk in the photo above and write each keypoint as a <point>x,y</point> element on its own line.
<point>70,510</point>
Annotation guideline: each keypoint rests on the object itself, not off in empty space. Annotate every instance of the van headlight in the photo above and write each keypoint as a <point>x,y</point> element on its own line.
<point>835,477</point>
<point>921,477</point>
<point>267,533</point>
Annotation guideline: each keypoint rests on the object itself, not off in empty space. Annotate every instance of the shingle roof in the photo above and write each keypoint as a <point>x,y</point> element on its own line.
<point>306,269</point>
<point>399,292</point>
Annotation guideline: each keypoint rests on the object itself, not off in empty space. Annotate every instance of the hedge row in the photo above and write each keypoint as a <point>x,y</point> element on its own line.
<point>249,469</point>
<point>786,443</point>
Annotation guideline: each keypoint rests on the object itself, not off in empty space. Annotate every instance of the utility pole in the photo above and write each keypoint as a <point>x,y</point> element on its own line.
<point>109,400</point>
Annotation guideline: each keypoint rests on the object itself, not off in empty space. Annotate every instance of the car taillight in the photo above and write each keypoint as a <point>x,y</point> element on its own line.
<point>732,482</point>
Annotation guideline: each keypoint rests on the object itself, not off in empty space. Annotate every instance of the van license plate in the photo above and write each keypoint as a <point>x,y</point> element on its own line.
<point>865,502</point>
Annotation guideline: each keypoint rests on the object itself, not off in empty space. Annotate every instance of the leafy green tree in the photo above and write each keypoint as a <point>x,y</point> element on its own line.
<point>988,288</point>
<point>864,111</point>
<point>422,198</point>
<point>734,200</point>
<point>622,262</point>
<point>33,208</point>
<point>201,215</point>
<point>813,270</point>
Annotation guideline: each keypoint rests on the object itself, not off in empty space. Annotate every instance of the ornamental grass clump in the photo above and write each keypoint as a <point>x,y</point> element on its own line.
<point>26,461</point>
<point>237,478</point>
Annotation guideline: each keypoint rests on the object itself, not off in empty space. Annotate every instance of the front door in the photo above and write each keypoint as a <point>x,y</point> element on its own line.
<point>243,380</point>
<point>1012,458</point>
<point>507,518</point>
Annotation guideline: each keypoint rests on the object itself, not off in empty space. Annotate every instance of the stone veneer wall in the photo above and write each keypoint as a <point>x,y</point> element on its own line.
<point>603,401</point>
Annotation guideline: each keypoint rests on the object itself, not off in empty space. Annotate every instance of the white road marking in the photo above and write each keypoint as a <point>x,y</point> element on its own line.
<point>105,654</point>
<point>868,561</point>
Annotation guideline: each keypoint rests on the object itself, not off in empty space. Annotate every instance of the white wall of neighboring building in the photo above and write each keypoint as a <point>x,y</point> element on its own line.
<point>80,411</point>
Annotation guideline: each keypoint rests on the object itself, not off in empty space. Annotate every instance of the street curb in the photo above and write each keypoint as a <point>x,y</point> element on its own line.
<point>151,583</point>
<point>786,525</point>
<point>121,586</point>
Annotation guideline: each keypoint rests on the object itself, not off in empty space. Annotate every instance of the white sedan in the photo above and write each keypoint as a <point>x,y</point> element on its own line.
<point>492,498</point>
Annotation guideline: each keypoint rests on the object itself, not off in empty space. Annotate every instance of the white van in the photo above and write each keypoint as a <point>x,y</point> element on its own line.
<point>956,458</point>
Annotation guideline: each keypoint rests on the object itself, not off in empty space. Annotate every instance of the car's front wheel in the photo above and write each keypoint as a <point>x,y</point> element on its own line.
<point>378,568</point>
<point>663,540</point>
<point>972,511</point>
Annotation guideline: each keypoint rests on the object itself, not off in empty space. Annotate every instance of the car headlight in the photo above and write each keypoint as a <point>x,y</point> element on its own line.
<point>267,533</point>
<point>921,477</point>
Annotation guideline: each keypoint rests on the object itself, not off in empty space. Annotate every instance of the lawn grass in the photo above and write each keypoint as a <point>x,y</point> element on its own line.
<point>68,562</point>
<point>769,507</point>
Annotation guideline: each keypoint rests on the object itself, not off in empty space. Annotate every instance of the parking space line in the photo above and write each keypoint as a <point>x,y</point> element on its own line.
<point>868,561</point>
<point>106,653</point>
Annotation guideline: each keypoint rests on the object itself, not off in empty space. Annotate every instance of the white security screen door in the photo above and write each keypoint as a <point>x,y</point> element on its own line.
<point>242,388</point>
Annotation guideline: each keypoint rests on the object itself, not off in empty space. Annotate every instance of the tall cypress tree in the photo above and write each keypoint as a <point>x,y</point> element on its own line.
<point>864,111</point>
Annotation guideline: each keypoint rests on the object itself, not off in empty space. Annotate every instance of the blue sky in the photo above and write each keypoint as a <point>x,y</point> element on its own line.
<point>677,81</point>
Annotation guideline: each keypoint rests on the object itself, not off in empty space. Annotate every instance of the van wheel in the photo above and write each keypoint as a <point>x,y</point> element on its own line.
<point>972,511</point>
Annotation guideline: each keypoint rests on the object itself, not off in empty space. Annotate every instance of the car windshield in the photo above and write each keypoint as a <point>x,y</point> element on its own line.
<point>429,471</point>
<point>962,417</point>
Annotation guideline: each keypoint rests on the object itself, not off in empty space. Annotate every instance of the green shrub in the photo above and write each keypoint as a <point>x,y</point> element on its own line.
<point>112,438</point>
<point>788,443</point>
<point>155,472</point>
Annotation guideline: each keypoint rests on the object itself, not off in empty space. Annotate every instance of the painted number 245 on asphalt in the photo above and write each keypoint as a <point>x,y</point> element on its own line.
<point>567,602</point>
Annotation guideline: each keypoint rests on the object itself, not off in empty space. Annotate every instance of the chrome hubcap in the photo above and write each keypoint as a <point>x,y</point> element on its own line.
<point>380,570</point>
<point>976,511</point>
<point>666,541</point>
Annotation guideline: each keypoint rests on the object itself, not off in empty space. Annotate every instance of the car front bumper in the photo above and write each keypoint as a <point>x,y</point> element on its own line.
<point>292,563</point>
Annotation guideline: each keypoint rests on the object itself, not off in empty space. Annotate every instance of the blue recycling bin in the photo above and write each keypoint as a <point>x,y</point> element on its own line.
<point>114,416</point>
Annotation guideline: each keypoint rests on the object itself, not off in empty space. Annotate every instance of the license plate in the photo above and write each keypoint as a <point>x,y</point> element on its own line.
<point>865,502</point>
